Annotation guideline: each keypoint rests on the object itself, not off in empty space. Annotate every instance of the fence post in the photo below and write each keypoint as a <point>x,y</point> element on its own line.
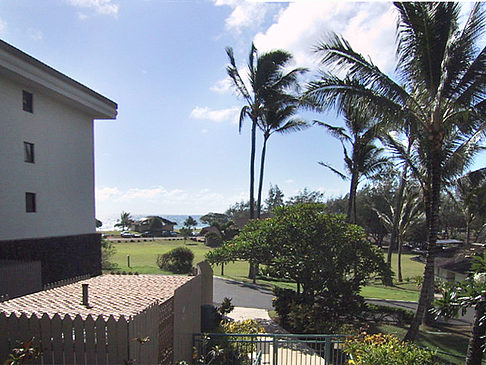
<point>275,350</point>
<point>327,350</point>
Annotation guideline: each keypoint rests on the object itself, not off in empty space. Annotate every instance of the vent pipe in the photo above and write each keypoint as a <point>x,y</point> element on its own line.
<point>85,295</point>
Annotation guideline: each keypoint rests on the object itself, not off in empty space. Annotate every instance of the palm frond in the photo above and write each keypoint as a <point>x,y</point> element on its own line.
<point>337,172</point>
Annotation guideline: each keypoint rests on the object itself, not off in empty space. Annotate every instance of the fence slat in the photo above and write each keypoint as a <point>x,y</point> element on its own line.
<point>67,334</point>
<point>56,339</point>
<point>13,331</point>
<point>23,328</point>
<point>79,340</point>
<point>100,341</point>
<point>122,338</point>
<point>89,326</point>
<point>34,328</point>
<point>45,327</point>
<point>132,335</point>
<point>112,348</point>
<point>4,350</point>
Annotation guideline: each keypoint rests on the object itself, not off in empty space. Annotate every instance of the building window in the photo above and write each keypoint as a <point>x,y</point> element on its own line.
<point>27,101</point>
<point>30,203</point>
<point>28,152</point>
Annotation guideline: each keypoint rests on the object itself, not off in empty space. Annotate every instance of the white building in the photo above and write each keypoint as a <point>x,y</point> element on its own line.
<point>47,208</point>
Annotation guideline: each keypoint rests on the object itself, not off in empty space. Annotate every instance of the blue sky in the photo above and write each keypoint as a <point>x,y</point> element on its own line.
<point>175,147</point>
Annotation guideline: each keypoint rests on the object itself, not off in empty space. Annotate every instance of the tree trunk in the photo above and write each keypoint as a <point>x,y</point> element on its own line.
<point>399,257</point>
<point>260,184</point>
<point>252,168</point>
<point>222,269</point>
<point>476,343</point>
<point>432,200</point>
<point>397,211</point>
<point>468,231</point>
<point>351,214</point>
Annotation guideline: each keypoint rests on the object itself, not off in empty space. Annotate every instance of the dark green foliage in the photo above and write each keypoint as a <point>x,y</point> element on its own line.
<point>178,261</point>
<point>107,251</point>
<point>210,218</point>
<point>213,239</point>
<point>382,313</point>
<point>190,222</point>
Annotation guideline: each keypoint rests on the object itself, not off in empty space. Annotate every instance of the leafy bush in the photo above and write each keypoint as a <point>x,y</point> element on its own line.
<point>382,313</point>
<point>178,261</point>
<point>383,349</point>
<point>213,239</point>
<point>107,251</point>
<point>327,313</point>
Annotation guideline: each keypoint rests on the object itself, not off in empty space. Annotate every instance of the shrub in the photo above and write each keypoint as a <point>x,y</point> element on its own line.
<point>178,261</point>
<point>213,239</point>
<point>381,313</point>
<point>383,349</point>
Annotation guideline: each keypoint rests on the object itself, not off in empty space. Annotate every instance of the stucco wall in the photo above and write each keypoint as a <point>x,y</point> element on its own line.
<point>187,310</point>
<point>62,175</point>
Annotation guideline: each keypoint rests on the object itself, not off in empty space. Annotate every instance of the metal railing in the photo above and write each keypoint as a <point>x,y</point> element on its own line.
<point>274,349</point>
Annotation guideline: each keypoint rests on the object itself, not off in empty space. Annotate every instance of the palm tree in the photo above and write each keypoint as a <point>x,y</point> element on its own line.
<point>124,221</point>
<point>363,159</point>
<point>408,213</point>
<point>277,118</point>
<point>441,91</point>
<point>267,80</point>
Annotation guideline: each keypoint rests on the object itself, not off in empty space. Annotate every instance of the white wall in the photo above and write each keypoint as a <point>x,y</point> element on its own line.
<point>62,175</point>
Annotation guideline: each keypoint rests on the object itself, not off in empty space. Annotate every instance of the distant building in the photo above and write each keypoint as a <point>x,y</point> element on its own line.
<point>157,226</point>
<point>454,264</point>
<point>47,211</point>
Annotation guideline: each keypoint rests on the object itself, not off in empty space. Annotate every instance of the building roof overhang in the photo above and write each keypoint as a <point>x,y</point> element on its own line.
<point>19,66</point>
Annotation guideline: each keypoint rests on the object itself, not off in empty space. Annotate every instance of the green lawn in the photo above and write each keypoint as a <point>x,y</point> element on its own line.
<point>143,256</point>
<point>442,341</point>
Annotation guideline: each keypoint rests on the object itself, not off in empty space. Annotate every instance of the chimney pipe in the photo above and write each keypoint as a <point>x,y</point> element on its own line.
<point>85,295</point>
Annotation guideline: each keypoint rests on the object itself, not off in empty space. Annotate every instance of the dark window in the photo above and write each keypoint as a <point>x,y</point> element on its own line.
<point>30,203</point>
<point>27,101</point>
<point>28,152</point>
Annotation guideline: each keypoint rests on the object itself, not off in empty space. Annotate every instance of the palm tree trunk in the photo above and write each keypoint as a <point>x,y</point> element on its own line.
<point>351,214</point>
<point>260,184</point>
<point>398,210</point>
<point>252,168</point>
<point>468,231</point>
<point>432,200</point>
<point>476,343</point>
<point>399,263</point>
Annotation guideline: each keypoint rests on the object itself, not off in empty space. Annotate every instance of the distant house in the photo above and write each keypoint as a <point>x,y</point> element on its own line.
<point>157,226</point>
<point>47,187</point>
<point>455,264</point>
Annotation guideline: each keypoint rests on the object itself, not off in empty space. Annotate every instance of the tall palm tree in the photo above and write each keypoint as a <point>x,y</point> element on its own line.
<point>441,90</point>
<point>362,158</point>
<point>267,79</point>
<point>278,117</point>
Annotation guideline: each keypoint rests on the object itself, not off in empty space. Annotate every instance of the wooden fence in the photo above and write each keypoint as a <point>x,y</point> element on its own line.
<point>89,341</point>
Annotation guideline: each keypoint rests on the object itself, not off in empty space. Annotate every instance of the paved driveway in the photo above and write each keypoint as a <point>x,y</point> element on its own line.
<point>242,294</point>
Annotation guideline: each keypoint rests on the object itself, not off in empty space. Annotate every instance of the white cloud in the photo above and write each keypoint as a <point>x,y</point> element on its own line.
<point>159,200</point>
<point>204,131</point>
<point>245,14</point>
<point>289,181</point>
<point>369,27</point>
<point>104,7</point>
<point>222,86</point>
<point>217,115</point>
<point>3,25</point>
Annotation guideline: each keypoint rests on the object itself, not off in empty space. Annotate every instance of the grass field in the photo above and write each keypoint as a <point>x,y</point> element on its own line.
<point>143,257</point>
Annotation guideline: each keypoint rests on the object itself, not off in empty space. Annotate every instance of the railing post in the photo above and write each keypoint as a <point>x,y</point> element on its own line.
<point>275,350</point>
<point>327,350</point>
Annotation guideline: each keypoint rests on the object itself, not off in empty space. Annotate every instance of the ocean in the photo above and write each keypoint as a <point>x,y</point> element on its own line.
<point>109,222</point>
